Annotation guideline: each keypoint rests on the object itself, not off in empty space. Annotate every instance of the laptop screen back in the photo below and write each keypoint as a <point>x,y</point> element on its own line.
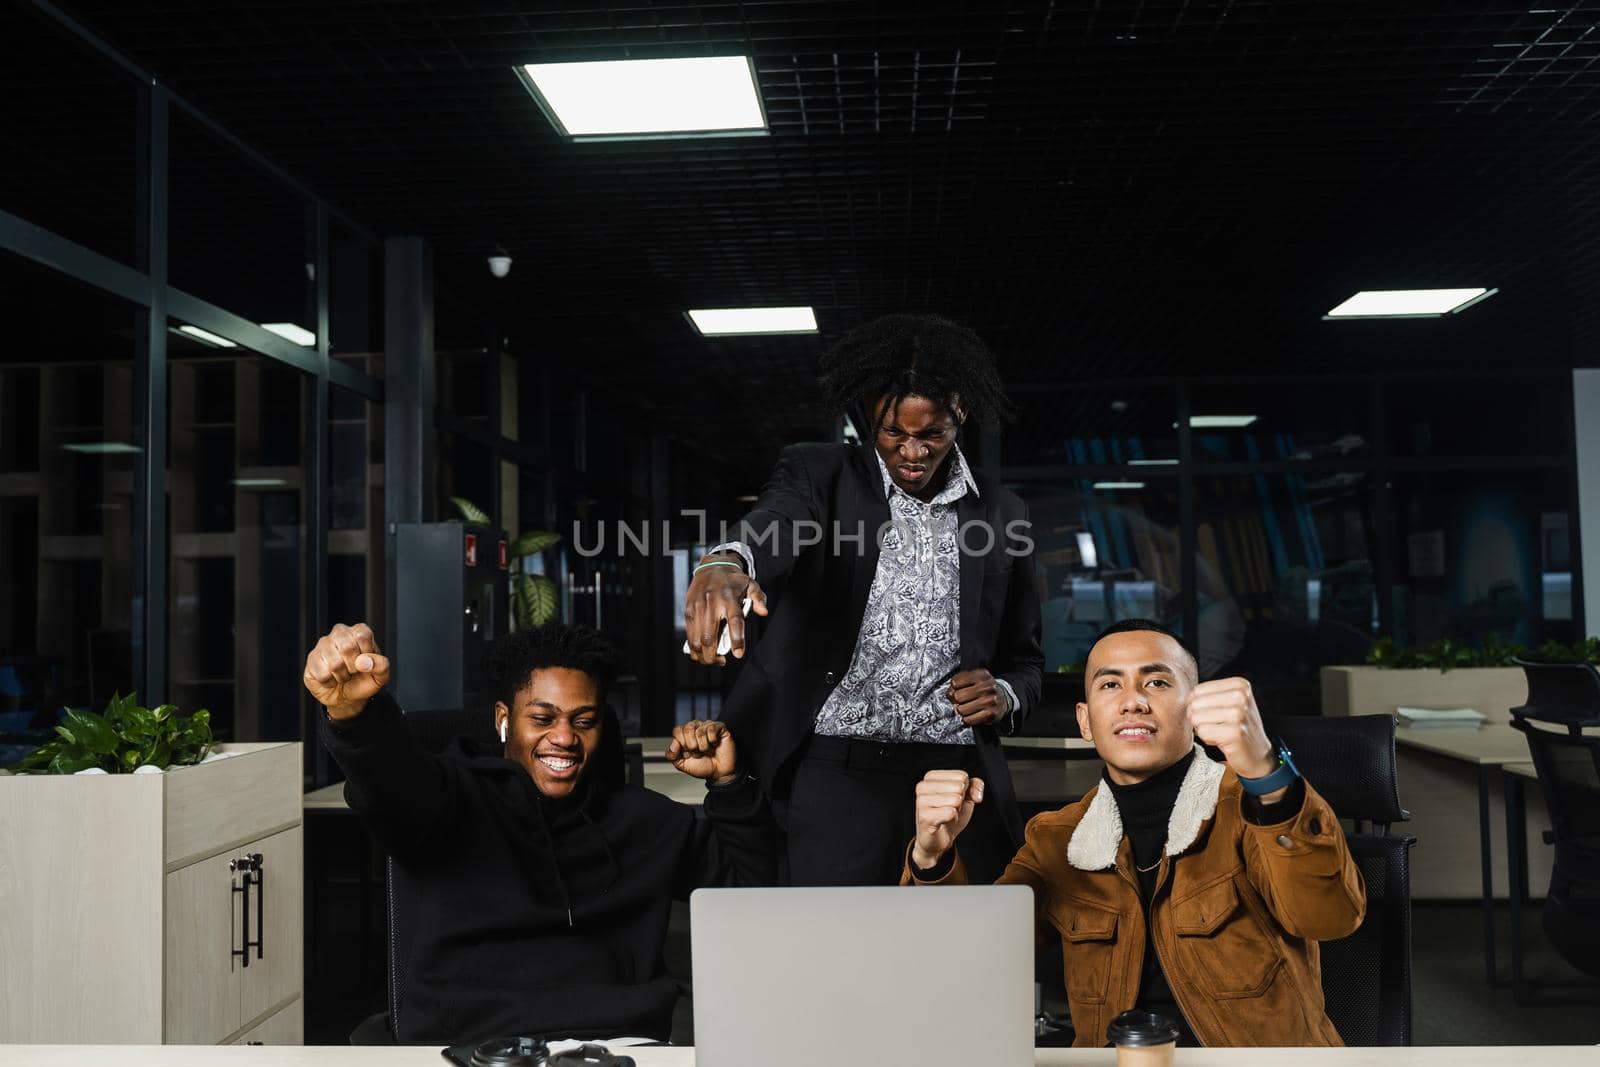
<point>935,976</point>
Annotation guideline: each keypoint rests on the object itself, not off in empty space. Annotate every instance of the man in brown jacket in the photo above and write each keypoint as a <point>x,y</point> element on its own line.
<point>1196,888</point>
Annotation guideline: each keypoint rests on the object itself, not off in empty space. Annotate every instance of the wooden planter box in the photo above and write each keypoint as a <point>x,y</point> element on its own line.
<point>122,909</point>
<point>1374,690</point>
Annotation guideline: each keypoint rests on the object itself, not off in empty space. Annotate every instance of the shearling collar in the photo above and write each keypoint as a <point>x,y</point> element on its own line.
<point>1098,835</point>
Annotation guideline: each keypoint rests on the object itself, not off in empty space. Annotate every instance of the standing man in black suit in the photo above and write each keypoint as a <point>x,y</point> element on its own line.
<point>903,621</point>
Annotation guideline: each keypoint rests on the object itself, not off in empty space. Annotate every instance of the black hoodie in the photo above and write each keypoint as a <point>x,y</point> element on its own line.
<point>529,915</point>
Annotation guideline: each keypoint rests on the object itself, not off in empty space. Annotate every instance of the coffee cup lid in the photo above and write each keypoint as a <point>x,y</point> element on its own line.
<point>1141,1027</point>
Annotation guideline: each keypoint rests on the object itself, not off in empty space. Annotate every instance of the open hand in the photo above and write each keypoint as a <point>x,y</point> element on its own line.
<point>714,599</point>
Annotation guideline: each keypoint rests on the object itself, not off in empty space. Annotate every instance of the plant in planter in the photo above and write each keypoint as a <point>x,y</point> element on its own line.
<point>533,596</point>
<point>1445,654</point>
<point>124,738</point>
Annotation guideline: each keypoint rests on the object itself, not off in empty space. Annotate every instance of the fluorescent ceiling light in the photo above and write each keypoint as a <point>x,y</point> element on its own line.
<point>1408,303</point>
<point>726,322</point>
<point>643,98</point>
<point>258,483</point>
<point>1119,485</point>
<point>1152,462</point>
<point>205,337</point>
<point>102,448</point>
<point>1219,422</point>
<point>290,332</point>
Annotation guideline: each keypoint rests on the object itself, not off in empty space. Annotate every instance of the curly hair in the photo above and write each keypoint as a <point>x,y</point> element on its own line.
<point>511,661</point>
<point>903,355</point>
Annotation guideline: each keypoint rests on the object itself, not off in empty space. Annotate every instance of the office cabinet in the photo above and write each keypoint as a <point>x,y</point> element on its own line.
<point>162,908</point>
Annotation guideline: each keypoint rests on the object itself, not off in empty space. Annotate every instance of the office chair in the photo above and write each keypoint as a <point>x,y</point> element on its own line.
<point>1561,692</point>
<point>1563,699</point>
<point>1366,977</point>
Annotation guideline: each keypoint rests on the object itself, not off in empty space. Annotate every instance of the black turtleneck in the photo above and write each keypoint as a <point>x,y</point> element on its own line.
<point>1146,809</point>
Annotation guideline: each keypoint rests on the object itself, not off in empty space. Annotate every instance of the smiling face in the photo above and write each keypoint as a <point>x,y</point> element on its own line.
<point>914,438</point>
<point>1136,685</point>
<point>554,728</point>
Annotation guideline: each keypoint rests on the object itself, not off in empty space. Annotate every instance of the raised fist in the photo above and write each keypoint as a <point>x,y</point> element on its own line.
<point>345,670</point>
<point>945,800</point>
<point>704,749</point>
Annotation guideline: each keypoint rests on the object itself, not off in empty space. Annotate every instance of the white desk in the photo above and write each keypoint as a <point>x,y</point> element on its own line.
<point>1490,744</point>
<point>345,1056</point>
<point>1489,747</point>
<point>1038,780</point>
<point>655,748</point>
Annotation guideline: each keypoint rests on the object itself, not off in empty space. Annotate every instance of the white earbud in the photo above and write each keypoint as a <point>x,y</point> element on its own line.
<point>502,731</point>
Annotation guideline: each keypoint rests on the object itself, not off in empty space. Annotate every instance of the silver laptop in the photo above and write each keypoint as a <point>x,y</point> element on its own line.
<point>863,977</point>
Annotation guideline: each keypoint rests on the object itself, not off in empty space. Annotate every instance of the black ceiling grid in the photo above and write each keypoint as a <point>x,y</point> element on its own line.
<point>1113,189</point>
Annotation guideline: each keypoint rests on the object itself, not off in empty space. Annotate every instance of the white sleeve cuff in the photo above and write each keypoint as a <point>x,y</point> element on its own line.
<point>1007,725</point>
<point>744,553</point>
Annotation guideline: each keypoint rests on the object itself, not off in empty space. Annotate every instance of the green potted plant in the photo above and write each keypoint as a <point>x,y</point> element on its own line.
<point>1442,674</point>
<point>533,596</point>
<point>1445,654</point>
<point>125,738</point>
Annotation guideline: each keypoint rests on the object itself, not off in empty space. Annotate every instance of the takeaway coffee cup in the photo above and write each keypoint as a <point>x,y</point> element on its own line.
<point>1143,1038</point>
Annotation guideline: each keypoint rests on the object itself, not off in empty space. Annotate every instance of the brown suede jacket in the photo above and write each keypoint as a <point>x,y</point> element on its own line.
<point>1238,910</point>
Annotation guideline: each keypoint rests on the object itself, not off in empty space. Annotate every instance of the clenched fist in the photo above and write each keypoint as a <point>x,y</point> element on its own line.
<point>945,800</point>
<point>1223,714</point>
<point>346,670</point>
<point>704,749</point>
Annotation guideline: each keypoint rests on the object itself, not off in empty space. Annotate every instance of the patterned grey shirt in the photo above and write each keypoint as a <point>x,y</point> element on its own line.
<point>910,643</point>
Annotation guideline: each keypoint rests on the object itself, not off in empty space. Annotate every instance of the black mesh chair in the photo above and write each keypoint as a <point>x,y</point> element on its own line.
<point>1564,701</point>
<point>1366,977</point>
<point>1561,693</point>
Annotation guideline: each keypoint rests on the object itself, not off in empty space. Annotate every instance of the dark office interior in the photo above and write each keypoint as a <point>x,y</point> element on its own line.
<point>250,259</point>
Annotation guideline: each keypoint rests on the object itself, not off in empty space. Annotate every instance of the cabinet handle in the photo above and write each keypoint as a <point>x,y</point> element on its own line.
<point>251,871</point>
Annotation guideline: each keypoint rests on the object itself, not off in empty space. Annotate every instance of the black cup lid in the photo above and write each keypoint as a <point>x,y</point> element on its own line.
<point>1141,1027</point>
<point>510,1052</point>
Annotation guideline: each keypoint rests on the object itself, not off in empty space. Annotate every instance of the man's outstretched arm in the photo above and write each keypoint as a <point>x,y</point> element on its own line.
<point>401,791</point>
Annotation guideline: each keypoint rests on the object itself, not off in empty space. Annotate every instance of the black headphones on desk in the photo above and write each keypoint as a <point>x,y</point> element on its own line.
<point>532,1052</point>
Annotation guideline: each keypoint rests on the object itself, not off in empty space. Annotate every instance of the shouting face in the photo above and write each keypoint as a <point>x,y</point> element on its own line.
<point>914,438</point>
<point>554,728</point>
<point>1136,689</point>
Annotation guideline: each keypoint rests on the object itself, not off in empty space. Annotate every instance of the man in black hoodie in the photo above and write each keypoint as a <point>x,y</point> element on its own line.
<point>542,883</point>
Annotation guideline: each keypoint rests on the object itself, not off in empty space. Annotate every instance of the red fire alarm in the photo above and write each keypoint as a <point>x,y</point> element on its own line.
<point>472,550</point>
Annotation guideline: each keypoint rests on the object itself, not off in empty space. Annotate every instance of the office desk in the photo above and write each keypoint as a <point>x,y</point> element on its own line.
<point>1488,747</point>
<point>346,1056</point>
<point>1516,775</point>
<point>1026,748</point>
<point>1036,783</point>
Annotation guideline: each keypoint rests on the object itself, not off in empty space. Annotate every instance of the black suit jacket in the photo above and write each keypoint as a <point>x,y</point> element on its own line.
<point>818,595</point>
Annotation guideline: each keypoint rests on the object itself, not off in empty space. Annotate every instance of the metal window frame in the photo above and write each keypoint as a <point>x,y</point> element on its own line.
<point>144,284</point>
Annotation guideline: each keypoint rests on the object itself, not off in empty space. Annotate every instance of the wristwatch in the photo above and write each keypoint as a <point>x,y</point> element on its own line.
<point>1281,778</point>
